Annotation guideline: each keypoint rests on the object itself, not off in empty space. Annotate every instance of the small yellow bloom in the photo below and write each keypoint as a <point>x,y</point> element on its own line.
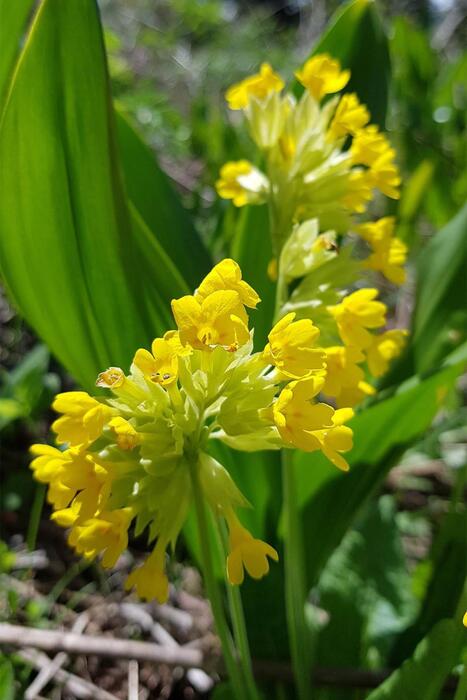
<point>353,395</point>
<point>241,182</point>
<point>108,534</point>
<point>246,552</point>
<point>257,86</point>
<point>389,253</point>
<point>161,367</point>
<point>337,439</point>
<point>342,371</point>
<point>127,437</point>
<point>290,347</point>
<point>48,468</point>
<point>349,117</point>
<point>464,619</point>
<point>150,579</point>
<point>359,186</point>
<point>227,275</point>
<point>83,420</point>
<point>355,314</point>
<point>368,145</point>
<point>296,417</point>
<point>322,75</point>
<point>112,378</point>
<point>385,174</point>
<point>385,348</point>
<point>220,319</point>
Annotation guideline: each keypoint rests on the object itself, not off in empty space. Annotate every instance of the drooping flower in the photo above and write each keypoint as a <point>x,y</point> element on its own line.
<point>357,313</point>
<point>322,75</point>
<point>83,418</point>
<point>246,552</point>
<point>291,347</point>
<point>389,253</point>
<point>345,379</point>
<point>150,579</point>
<point>349,118</point>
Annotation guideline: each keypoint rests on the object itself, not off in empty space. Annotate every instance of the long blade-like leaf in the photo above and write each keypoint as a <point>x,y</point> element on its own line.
<point>74,259</point>
<point>13,20</point>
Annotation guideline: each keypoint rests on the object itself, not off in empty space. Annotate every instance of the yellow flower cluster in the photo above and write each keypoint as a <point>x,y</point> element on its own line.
<point>323,160</point>
<point>127,460</point>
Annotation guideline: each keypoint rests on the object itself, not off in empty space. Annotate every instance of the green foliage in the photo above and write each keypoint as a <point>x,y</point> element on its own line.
<point>423,675</point>
<point>7,679</point>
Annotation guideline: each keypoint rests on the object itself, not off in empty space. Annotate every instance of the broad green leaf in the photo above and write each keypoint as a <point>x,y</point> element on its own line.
<point>81,267</point>
<point>381,433</point>
<point>152,194</point>
<point>422,677</point>
<point>356,37</point>
<point>13,22</point>
<point>440,305</point>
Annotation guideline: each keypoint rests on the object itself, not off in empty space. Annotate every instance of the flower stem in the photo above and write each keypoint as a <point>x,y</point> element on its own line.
<point>238,623</point>
<point>295,583</point>
<point>212,588</point>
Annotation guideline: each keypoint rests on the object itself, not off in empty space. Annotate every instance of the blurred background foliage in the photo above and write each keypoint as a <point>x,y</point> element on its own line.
<point>395,567</point>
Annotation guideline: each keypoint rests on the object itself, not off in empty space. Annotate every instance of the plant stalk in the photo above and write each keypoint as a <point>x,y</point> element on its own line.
<point>212,588</point>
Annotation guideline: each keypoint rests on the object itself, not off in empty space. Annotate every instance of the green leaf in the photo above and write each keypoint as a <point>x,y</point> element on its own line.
<point>356,37</point>
<point>152,194</point>
<point>422,677</point>
<point>80,265</point>
<point>440,305</point>
<point>14,18</point>
<point>253,251</point>
<point>381,433</point>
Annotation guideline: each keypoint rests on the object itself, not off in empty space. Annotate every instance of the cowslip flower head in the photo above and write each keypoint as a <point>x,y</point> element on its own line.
<point>322,75</point>
<point>130,456</point>
<point>241,182</point>
<point>257,86</point>
<point>357,313</point>
<point>291,348</point>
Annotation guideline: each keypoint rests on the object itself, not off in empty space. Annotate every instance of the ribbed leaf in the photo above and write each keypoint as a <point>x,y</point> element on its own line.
<point>83,270</point>
<point>13,21</point>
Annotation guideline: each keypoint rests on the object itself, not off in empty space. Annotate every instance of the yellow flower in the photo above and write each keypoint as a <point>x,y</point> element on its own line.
<point>385,348</point>
<point>290,347</point>
<point>342,371</point>
<point>464,619</point>
<point>296,417</point>
<point>162,366</point>
<point>349,117</point>
<point>48,468</point>
<point>353,395</point>
<point>246,552</point>
<point>389,253</point>
<point>127,437</point>
<point>84,418</point>
<point>241,182</point>
<point>149,579</point>
<point>312,427</point>
<point>322,75</point>
<point>385,174</point>
<point>355,314</point>
<point>337,439</point>
<point>112,378</point>
<point>368,145</point>
<point>108,534</point>
<point>358,192</point>
<point>227,275</point>
<point>257,86</point>
<point>220,319</point>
